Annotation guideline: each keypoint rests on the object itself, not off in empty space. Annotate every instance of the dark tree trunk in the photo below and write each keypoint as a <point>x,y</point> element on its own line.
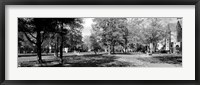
<point>61,44</point>
<point>61,49</point>
<point>113,48</point>
<point>155,46</point>
<point>39,46</point>
<point>126,41</point>
<point>56,47</point>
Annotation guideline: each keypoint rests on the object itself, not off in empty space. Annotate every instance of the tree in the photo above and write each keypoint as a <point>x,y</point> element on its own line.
<point>94,43</point>
<point>148,31</point>
<point>35,30</point>
<point>74,39</point>
<point>110,31</point>
<point>153,32</point>
<point>24,46</point>
<point>125,33</point>
<point>67,27</point>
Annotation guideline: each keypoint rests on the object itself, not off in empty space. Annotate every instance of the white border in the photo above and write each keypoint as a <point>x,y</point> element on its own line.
<point>187,72</point>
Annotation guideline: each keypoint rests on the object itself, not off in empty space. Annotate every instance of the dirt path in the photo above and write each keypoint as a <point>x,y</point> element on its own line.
<point>144,60</point>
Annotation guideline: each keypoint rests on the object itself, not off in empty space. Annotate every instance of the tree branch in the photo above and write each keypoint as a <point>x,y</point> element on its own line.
<point>31,35</point>
<point>29,38</point>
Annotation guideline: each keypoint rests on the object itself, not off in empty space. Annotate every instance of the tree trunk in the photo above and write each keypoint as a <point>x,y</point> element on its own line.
<point>151,48</point>
<point>125,47</point>
<point>39,53</point>
<point>155,46</point>
<point>61,50</point>
<point>56,48</point>
<point>113,49</point>
<point>109,48</point>
<point>95,52</point>
<point>61,45</point>
<point>39,46</point>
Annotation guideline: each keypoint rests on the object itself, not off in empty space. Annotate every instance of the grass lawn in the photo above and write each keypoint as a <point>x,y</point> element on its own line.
<point>104,60</point>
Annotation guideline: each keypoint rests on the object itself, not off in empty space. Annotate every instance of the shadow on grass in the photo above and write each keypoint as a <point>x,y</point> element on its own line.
<point>170,59</point>
<point>45,63</point>
<point>34,54</point>
<point>87,60</point>
<point>127,53</point>
<point>91,60</point>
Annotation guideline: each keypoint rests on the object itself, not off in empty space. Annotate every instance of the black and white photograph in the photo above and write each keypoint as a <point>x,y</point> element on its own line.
<point>99,42</point>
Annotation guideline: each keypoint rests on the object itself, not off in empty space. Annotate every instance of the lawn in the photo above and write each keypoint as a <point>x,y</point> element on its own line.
<point>104,60</point>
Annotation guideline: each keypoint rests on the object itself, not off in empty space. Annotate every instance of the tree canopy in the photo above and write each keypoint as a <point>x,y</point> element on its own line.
<point>50,31</point>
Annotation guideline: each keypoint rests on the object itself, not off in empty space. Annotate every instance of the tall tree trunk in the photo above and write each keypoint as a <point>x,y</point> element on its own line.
<point>39,46</point>
<point>61,49</point>
<point>56,47</point>
<point>61,45</point>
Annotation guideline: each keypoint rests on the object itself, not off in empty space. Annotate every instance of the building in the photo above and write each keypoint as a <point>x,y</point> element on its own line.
<point>174,41</point>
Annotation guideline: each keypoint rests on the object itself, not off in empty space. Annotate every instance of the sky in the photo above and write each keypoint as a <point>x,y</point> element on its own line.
<point>89,21</point>
<point>87,26</point>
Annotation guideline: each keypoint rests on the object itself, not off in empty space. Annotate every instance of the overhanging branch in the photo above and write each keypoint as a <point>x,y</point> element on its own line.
<point>29,38</point>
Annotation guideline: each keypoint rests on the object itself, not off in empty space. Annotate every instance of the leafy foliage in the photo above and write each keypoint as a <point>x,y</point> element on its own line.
<point>112,31</point>
<point>44,32</point>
